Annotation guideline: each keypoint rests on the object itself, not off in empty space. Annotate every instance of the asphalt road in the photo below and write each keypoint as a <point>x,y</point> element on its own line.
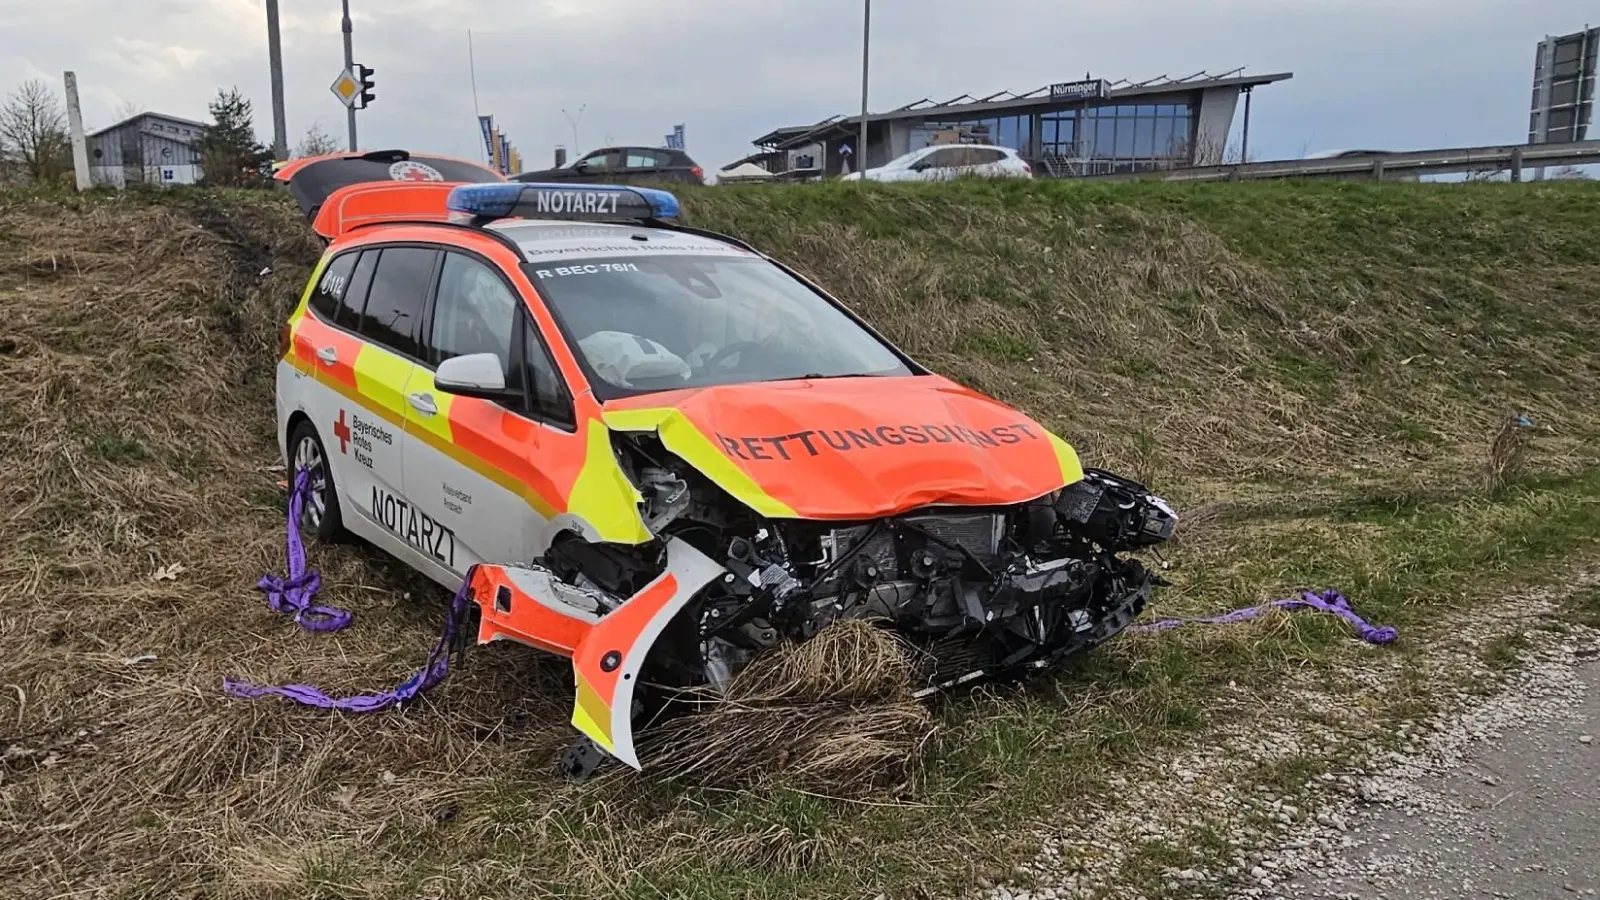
<point>1519,819</point>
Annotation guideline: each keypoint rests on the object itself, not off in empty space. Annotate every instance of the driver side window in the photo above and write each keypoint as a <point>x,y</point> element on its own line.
<point>598,162</point>
<point>476,312</point>
<point>546,389</point>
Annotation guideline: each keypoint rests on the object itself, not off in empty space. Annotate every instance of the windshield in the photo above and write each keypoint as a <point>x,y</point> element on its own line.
<point>656,323</point>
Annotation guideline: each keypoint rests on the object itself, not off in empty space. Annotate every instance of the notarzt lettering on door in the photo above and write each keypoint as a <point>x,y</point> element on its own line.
<point>414,527</point>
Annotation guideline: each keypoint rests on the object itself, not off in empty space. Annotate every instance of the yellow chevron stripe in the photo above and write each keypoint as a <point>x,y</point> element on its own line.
<point>298,314</point>
<point>381,379</point>
<point>501,478</point>
<point>603,496</point>
<point>437,424</point>
<point>591,716</point>
<point>1071,468</point>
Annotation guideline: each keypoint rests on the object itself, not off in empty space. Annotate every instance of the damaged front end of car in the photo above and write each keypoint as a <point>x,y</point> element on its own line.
<point>978,591</point>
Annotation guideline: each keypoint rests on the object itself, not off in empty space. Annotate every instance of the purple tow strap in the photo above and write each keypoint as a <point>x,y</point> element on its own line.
<point>293,595</point>
<point>1327,601</point>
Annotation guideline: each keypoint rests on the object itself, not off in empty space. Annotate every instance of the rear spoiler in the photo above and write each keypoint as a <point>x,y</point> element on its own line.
<point>373,202</point>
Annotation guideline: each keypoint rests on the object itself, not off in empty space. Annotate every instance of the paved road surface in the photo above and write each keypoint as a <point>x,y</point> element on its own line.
<point>1523,822</point>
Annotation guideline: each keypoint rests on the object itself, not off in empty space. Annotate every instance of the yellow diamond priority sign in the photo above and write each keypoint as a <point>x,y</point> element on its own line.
<point>346,88</point>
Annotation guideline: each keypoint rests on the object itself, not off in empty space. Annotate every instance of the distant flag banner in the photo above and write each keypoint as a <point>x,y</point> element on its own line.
<point>516,160</point>
<point>675,139</point>
<point>494,151</point>
<point>505,155</point>
<point>486,123</point>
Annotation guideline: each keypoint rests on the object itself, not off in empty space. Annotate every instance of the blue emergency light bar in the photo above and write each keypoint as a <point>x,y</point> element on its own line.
<point>575,202</point>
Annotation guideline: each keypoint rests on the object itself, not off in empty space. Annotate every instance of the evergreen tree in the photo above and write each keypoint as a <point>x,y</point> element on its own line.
<point>230,155</point>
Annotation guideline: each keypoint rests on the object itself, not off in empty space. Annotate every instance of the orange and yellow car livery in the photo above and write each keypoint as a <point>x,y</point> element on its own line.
<point>437,378</point>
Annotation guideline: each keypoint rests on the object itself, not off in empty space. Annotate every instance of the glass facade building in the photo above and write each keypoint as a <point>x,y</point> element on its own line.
<point>1063,130</point>
<point>1118,138</point>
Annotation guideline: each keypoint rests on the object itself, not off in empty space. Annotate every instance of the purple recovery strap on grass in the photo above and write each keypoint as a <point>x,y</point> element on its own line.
<point>1327,601</point>
<point>293,595</point>
<point>437,667</point>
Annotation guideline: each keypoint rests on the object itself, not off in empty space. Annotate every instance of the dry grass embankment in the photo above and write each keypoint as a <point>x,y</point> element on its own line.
<point>1317,374</point>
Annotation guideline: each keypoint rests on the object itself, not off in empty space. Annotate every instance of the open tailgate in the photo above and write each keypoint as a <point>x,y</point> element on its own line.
<point>313,180</point>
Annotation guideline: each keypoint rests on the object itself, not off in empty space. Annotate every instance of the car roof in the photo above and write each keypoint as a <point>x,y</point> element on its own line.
<point>554,240</point>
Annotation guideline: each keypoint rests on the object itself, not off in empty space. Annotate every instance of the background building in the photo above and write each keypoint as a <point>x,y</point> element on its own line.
<point>149,148</point>
<point>1563,87</point>
<point>1063,130</point>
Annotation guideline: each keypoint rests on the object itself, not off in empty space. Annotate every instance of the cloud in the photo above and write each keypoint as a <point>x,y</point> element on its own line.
<point>1401,73</point>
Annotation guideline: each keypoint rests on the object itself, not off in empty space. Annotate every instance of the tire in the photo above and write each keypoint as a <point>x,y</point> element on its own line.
<point>320,519</point>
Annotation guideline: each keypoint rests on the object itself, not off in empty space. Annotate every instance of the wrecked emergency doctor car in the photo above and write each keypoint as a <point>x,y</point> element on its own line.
<point>659,452</point>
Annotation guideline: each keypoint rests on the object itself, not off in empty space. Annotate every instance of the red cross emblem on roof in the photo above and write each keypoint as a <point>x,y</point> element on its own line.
<point>411,170</point>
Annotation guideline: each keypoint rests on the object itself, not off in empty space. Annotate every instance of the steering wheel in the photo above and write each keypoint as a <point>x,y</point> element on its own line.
<point>717,358</point>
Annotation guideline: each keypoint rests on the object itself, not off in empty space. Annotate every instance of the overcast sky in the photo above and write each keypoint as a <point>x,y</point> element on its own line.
<point>1392,74</point>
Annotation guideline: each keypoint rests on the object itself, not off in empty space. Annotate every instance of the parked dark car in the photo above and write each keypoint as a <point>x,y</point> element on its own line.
<point>623,165</point>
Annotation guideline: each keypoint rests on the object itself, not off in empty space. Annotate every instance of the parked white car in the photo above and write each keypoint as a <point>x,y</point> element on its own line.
<point>945,161</point>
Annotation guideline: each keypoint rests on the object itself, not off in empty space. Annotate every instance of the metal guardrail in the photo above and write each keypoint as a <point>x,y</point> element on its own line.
<point>1512,157</point>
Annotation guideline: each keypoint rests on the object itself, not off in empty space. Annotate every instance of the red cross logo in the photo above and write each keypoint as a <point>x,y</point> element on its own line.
<point>408,170</point>
<point>342,432</point>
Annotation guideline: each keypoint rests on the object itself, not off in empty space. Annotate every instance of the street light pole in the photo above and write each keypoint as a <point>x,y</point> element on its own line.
<point>350,64</point>
<point>280,129</point>
<point>866,39</point>
<point>574,123</point>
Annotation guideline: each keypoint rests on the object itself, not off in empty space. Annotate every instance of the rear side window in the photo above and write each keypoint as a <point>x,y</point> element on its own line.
<point>642,159</point>
<point>983,157</point>
<point>397,297</point>
<point>355,296</point>
<point>330,290</point>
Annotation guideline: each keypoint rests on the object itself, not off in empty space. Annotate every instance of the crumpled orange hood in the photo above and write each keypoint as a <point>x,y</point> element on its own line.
<point>854,448</point>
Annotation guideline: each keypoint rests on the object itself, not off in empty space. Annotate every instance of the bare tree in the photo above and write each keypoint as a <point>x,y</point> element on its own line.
<point>127,109</point>
<point>33,127</point>
<point>1234,155</point>
<point>316,142</point>
<point>1208,151</point>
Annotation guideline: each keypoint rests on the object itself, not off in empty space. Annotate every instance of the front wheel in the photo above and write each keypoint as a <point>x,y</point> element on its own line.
<point>319,514</point>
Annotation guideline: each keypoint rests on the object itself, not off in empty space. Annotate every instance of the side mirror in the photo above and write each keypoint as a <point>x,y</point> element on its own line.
<point>474,375</point>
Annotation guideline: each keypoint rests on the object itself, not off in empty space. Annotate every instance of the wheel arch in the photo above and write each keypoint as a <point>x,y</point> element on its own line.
<point>293,422</point>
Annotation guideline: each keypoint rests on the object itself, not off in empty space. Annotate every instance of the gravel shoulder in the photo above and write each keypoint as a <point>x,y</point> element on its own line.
<point>1493,791</point>
<point>1519,817</point>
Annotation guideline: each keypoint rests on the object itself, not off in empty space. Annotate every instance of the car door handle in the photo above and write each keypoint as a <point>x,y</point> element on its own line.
<point>328,355</point>
<point>423,403</point>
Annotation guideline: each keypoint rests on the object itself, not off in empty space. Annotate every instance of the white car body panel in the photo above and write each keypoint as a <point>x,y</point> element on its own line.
<point>1010,165</point>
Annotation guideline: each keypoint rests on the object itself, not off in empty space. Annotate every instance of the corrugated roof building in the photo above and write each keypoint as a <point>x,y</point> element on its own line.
<point>149,148</point>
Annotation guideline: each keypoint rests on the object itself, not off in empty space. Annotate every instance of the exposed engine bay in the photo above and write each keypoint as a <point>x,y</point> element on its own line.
<point>980,591</point>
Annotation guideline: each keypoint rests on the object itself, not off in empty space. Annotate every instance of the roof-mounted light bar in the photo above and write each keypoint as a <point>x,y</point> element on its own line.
<point>571,202</point>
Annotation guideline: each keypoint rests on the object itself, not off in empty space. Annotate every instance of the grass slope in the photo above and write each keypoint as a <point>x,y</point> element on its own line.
<point>1317,373</point>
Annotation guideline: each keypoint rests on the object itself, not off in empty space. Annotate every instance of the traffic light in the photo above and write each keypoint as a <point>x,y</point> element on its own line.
<point>364,75</point>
